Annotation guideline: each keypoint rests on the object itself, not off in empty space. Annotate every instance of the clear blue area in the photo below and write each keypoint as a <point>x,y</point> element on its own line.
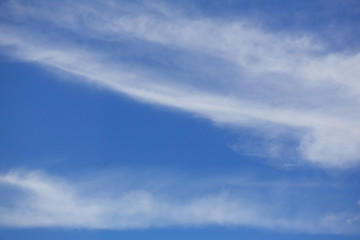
<point>211,233</point>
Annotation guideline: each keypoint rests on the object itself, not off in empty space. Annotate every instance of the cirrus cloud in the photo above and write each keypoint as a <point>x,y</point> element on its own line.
<point>230,72</point>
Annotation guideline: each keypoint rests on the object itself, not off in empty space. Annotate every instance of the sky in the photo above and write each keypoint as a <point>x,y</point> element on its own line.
<point>180,119</point>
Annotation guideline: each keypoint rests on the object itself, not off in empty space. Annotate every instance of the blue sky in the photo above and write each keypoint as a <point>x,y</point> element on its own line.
<point>169,119</point>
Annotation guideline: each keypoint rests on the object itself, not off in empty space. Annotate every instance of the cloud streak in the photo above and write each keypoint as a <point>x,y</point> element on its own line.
<point>47,200</point>
<point>271,82</point>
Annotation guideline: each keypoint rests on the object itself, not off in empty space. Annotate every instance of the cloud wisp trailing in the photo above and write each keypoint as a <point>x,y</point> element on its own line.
<point>122,203</point>
<point>230,72</point>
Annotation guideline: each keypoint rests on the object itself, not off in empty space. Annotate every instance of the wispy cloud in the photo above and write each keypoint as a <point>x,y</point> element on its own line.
<point>230,72</point>
<point>122,203</point>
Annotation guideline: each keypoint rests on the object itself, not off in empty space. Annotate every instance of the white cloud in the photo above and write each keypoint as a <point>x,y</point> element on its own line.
<point>50,201</point>
<point>272,80</point>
